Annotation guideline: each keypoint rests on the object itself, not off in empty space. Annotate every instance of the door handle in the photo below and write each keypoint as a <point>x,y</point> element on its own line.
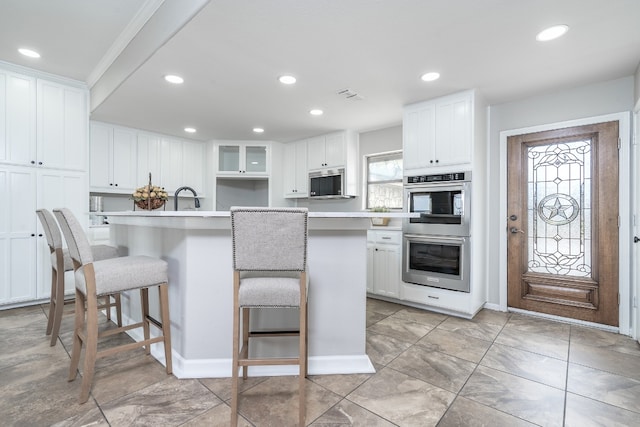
<point>514,230</point>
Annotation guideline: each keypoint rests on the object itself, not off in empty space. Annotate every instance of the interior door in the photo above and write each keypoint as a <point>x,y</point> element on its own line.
<point>563,222</point>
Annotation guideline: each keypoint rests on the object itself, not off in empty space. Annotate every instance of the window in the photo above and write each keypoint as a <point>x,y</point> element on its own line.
<point>384,180</point>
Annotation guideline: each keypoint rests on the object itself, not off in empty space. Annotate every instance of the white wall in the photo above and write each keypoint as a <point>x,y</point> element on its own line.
<point>581,102</point>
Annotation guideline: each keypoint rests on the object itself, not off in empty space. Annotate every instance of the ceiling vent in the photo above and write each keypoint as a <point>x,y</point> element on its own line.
<point>350,95</point>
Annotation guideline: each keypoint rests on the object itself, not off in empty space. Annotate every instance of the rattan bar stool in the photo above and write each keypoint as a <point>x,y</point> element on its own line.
<point>269,271</point>
<point>60,263</point>
<point>98,278</point>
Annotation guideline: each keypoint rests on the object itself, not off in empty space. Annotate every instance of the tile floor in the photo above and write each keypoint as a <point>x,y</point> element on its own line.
<point>498,369</point>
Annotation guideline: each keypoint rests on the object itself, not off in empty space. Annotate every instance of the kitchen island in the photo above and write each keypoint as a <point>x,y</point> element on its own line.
<point>197,247</point>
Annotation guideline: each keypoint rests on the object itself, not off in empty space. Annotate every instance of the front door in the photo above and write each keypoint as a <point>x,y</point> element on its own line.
<point>562,222</point>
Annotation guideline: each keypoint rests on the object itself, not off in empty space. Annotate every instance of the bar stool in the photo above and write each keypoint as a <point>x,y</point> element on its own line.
<point>269,270</point>
<point>94,279</point>
<point>61,262</point>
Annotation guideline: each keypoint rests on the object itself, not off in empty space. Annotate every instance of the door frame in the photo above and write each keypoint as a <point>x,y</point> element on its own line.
<point>625,291</point>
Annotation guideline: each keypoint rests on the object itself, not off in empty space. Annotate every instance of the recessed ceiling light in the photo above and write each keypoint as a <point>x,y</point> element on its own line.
<point>552,33</point>
<point>287,80</point>
<point>28,52</point>
<point>429,77</point>
<point>258,130</point>
<point>316,112</point>
<point>171,78</point>
<point>190,130</point>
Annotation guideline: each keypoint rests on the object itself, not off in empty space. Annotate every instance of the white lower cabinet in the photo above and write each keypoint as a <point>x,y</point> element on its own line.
<point>384,261</point>
<point>25,269</point>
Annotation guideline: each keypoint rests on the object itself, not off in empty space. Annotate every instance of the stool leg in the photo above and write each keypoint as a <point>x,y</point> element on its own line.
<point>303,363</point>
<point>118,309</point>
<point>77,330</point>
<point>52,302</point>
<point>234,366</point>
<point>144,303</point>
<point>91,348</point>
<point>166,325</point>
<point>59,307</point>
<point>246,319</point>
<point>107,305</point>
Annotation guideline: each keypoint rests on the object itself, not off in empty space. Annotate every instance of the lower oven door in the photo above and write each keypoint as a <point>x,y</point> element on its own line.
<point>438,261</point>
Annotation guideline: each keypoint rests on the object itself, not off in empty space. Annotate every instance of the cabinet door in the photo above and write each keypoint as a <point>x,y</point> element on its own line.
<point>229,158</point>
<point>148,159</point>
<point>454,132</point>
<point>316,153</point>
<point>193,165</point>
<point>290,169</point>
<point>100,142</point>
<point>419,136</point>
<point>171,167</point>
<point>56,189</point>
<point>255,159</point>
<point>17,235</point>
<point>334,150</point>
<point>301,172</point>
<point>61,126</point>
<point>295,170</point>
<point>124,160</point>
<point>17,119</point>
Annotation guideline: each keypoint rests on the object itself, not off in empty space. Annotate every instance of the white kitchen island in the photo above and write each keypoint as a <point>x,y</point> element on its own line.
<point>197,246</point>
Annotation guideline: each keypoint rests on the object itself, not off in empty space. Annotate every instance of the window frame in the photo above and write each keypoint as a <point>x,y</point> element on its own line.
<point>366,182</point>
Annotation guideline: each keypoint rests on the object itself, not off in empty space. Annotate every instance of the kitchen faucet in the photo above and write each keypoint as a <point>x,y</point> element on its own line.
<point>196,201</point>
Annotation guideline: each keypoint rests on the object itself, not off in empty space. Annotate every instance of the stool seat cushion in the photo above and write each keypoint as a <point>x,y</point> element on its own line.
<point>124,273</point>
<point>100,252</point>
<point>269,289</point>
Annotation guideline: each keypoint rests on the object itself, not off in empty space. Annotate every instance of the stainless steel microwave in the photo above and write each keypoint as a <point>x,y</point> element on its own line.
<point>327,184</point>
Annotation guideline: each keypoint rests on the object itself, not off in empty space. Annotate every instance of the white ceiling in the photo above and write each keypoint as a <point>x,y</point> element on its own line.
<point>232,52</point>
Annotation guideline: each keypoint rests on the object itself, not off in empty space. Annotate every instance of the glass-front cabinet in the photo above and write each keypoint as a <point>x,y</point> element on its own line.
<point>243,159</point>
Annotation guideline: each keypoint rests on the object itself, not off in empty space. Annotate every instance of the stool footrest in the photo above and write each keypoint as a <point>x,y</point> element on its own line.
<point>269,361</point>
<point>287,333</point>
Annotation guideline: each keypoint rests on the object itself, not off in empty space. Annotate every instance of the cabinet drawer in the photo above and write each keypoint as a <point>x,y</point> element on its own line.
<point>385,237</point>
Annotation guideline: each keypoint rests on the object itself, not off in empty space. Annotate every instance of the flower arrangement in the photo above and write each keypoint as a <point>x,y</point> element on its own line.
<point>150,196</point>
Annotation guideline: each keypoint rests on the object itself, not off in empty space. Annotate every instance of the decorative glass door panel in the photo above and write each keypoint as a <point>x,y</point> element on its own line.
<point>559,208</point>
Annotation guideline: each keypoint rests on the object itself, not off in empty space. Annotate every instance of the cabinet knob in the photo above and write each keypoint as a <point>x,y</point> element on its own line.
<point>33,234</point>
<point>33,162</point>
<point>111,184</point>
<point>430,161</point>
<point>116,185</point>
<point>40,163</point>
<point>437,161</point>
<point>40,235</point>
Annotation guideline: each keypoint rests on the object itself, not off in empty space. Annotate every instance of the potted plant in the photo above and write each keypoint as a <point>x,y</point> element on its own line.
<point>381,220</point>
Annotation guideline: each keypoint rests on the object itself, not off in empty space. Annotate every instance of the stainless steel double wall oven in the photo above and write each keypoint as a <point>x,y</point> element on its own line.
<point>436,247</point>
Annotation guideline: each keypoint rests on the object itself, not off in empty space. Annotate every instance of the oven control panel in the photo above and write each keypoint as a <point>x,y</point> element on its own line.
<point>444,177</point>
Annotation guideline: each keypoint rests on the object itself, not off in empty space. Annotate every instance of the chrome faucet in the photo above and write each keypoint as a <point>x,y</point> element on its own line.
<point>196,201</point>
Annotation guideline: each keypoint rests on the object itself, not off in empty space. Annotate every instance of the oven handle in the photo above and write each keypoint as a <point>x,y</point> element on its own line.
<point>432,238</point>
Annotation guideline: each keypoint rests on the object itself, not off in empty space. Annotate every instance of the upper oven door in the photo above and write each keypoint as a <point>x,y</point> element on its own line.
<point>444,209</point>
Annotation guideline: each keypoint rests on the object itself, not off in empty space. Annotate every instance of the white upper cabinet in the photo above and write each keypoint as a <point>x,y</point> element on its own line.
<point>113,159</point>
<point>439,133</point>
<point>42,123</point>
<point>62,118</point>
<point>193,165</point>
<point>242,159</point>
<point>296,176</point>
<point>17,118</point>
<point>327,151</point>
<point>148,158</point>
<point>171,156</point>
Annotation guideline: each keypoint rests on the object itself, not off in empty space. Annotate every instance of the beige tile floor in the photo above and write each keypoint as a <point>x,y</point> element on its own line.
<point>498,369</point>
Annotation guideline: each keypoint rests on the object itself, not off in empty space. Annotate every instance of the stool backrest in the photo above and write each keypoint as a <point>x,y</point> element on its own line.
<point>269,239</point>
<point>77,242</point>
<point>51,230</point>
